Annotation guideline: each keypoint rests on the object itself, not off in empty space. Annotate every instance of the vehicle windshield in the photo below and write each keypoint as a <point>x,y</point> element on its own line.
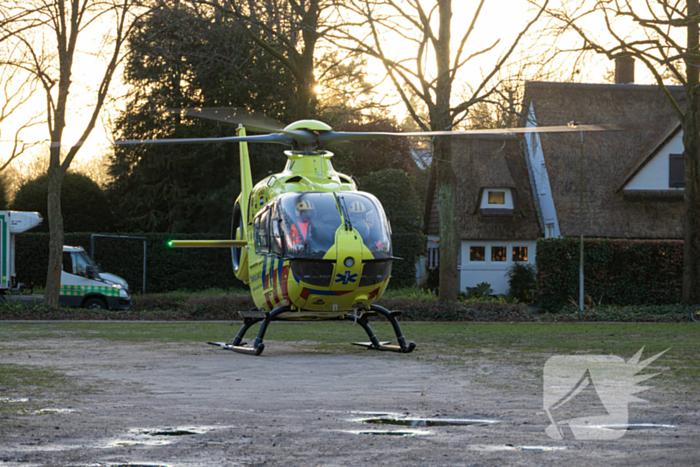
<point>310,221</point>
<point>96,267</point>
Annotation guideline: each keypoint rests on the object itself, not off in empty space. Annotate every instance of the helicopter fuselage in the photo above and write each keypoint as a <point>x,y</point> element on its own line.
<point>343,260</point>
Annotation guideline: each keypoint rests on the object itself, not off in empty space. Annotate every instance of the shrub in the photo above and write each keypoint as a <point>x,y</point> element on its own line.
<point>480,291</point>
<point>522,282</point>
<point>83,204</point>
<point>617,272</point>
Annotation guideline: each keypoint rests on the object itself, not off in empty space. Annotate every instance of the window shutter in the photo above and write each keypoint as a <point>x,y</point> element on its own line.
<point>676,172</point>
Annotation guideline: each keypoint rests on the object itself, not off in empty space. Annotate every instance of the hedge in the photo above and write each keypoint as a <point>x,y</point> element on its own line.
<point>169,269</point>
<point>407,246</point>
<point>616,272</point>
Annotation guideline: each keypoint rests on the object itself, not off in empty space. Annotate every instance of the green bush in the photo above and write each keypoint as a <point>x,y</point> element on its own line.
<point>83,204</point>
<point>522,282</point>
<point>481,290</point>
<point>617,272</point>
<point>407,246</point>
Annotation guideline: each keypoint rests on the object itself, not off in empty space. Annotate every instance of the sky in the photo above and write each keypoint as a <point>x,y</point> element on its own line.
<point>511,16</point>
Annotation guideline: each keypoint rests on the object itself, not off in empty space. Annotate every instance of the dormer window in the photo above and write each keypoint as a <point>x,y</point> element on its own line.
<point>497,202</point>
<point>497,197</point>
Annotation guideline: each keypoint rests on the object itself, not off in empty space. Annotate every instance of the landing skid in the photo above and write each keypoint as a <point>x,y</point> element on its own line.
<point>250,318</point>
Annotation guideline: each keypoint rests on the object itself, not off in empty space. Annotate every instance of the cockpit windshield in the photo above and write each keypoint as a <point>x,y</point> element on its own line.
<point>309,222</point>
<point>366,215</point>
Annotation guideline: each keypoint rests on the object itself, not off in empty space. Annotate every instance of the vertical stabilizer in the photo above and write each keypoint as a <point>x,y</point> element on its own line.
<point>246,175</point>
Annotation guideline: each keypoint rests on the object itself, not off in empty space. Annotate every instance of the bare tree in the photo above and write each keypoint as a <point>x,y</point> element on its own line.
<point>426,27</point>
<point>16,92</point>
<point>48,32</point>
<point>664,36</point>
<point>292,32</point>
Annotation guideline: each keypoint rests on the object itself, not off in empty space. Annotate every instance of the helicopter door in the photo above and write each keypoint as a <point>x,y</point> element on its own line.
<point>268,233</point>
<point>262,232</point>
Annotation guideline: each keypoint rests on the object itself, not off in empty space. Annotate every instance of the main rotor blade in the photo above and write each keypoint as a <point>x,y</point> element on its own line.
<point>277,138</point>
<point>332,136</point>
<point>234,116</point>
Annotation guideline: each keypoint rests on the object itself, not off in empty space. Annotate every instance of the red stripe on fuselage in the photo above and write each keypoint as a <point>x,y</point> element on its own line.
<point>276,297</point>
<point>285,276</point>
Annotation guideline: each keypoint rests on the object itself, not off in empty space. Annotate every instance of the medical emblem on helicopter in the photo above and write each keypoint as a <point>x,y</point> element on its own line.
<point>306,241</point>
<point>345,278</point>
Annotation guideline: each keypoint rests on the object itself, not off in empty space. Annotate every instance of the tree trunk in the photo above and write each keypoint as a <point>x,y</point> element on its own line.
<point>691,155</point>
<point>449,238</point>
<point>446,179</point>
<point>691,247</point>
<point>53,276</point>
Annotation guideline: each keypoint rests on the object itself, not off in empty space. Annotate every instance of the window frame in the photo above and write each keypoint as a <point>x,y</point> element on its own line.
<point>676,171</point>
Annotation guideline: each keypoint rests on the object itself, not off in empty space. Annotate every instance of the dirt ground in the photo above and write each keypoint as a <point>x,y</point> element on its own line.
<point>194,404</point>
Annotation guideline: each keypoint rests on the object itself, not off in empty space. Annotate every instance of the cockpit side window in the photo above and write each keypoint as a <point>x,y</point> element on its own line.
<point>262,232</point>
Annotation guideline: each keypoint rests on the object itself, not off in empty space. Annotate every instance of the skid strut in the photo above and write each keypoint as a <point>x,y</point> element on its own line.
<point>374,343</point>
<point>251,318</point>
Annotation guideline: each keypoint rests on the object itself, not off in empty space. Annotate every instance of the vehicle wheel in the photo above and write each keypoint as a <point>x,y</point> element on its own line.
<point>95,303</point>
<point>695,313</point>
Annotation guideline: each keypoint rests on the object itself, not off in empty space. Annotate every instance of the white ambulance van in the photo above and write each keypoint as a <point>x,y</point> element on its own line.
<point>83,284</point>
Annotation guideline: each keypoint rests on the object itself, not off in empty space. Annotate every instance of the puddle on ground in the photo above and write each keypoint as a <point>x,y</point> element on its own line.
<point>428,422</point>
<point>510,447</point>
<point>401,433</point>
<point>158,436</point>
<point>50,411</point>
<point>627,426</point>
<point>127,465</point>
<point>14,400</point>
<point>173,433</point>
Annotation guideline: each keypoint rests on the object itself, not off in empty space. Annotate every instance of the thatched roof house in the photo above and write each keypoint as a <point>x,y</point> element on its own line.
<point>496,216</point>
<point>512,191</point>
<point>484,164</point>
<point>626,192</point>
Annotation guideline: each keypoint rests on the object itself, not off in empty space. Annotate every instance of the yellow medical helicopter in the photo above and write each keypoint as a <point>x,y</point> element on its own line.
<point>306,241</point>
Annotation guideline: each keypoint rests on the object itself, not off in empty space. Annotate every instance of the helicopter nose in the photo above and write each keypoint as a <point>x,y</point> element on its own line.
<point>348,265</point>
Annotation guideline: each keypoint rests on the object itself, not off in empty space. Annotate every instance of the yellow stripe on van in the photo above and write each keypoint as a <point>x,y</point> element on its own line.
<point>80,290</point>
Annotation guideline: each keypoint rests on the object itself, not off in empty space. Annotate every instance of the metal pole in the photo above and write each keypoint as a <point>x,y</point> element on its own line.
<point>144,267</point>
<point>580,287</point>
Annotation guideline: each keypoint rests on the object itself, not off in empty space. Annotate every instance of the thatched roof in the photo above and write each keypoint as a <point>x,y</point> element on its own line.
<point>490,162</point>
<point>647,120</point>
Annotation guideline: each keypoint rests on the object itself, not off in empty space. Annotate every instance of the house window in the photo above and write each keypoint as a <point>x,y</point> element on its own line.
<point>477,253</point>
<point>496,201</point>
<point>676,171</point>
<point>550,230</point>
<point>498,253</point>
<point>497,197</point>
<point>519,253</point>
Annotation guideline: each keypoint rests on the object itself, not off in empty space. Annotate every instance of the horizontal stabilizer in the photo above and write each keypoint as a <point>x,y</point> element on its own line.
<point>207,243</point>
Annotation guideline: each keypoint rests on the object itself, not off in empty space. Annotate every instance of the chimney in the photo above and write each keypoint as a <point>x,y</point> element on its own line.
<point>624,69</point>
